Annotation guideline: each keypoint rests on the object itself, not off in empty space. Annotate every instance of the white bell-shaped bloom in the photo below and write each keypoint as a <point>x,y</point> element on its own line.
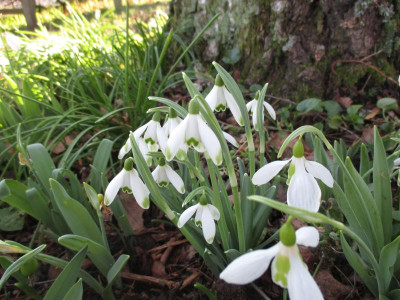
<point>153,134</point>
<point>128,179</point>
<point>194,132</point>
<point>230,139</point>
<point>287,268</point>
<point>252,106</point>
<point>142,147</point>
<point>304,191</point>
<point>164,174</point>
<point>172,122</point>
<point>219,98</point>
<point>205,216</point>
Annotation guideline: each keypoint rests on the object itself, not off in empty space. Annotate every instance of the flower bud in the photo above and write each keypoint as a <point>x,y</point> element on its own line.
<point>298,149</point>
<point>29,267</point>
<point>172,113</point>
<point>203,200</point>
<point>161,162</point>
<point>194,106</point>
<point>156,117</point>
<point>219,81</point>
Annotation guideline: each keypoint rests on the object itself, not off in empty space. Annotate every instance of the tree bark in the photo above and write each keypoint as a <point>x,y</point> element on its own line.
<point>302,48</point>
<point>29,10</point>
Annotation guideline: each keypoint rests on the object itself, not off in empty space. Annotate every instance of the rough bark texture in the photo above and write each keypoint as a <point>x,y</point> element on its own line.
<point>302,48</point>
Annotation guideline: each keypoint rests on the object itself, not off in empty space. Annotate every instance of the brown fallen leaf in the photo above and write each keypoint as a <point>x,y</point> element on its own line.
<point>367,134</point>
<point>330,287</point>
<point>344,101</point>
<point>134,213</point>
<point>58,148</point>
<point>372,113</point>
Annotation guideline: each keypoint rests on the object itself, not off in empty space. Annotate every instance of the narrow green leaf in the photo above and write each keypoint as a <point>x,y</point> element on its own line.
<point>365,164</point>
<point>116,268</point>
<point>75,292</point>
<point>75,214</point>
<point>358,265</point>
<point>42,163</point>
<point>18,263</point>
<point>382,187</point>
<point>179,109</point>
<point>96,252</point>
<point>100,162</point>
<point>387,259</point>
<point>67,277</point>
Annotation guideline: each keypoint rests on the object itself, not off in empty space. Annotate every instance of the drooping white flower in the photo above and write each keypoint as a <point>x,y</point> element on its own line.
<point>252,106</point>
<point>304,191</point>
<point>142,147</point>
<point>172,122</point>
<point>219,98</point>
<point>164,174</point>
<point>128,179</point>
<point>205,216</point>
<point>287,268</point>
<point>230,139</point>
<point>194,132</point>
<point>154,135</point>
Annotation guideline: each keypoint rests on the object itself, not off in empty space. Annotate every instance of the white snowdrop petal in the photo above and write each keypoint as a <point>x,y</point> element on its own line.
<point>175,179</point>
<point>319,171</point>
<point>138,132</point>
<point>125,149</point>
<point>176,140</point>
<point>212,97</point>
<point>234,107</point>
<point>214,212</point>
<point>139,190</point>
<point>208,225</point>
<point>270,110</point>
<point>161,138</point>
<point>396,162</point>
<point>210,142</point>
<point>155,174</point>
<point>113,187</point>
<point>230,139</point>
<point>307,236</point>
<point>269,171</point>
<point>254,117</point>
<point>301,285</point>
<point>199,212</point>
<point>144,150</point>
<point>186,215</point>
<point>249,266</point>
<point>304,191</point>
<point>249,105</point>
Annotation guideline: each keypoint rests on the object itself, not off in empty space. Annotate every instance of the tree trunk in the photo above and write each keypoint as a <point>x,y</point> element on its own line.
<point>29,10</point>
<point>302,48</point>
<point>118,6</point>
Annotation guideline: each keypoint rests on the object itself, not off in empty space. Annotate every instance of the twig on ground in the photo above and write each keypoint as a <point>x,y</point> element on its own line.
<point>150,279</point>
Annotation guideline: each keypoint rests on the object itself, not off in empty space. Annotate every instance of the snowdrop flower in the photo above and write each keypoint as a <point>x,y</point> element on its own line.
<point>154,135</point>
<point>172,122</point>
<point>164,174</point>
<point>230,139</point>
<point>287,268</point>
<point>142,147</point>
<point>252,105</point>
<point>304,191</point>
<point>194,132</point>
<point>128,179</point>
<point>205,216</point>
<point>219,98</point>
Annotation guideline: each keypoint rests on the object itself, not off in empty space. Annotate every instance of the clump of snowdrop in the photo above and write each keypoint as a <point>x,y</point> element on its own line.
<point>220,98</point>
<point>194,132</point>
<point>128,179</point>
<point>288,269</point>
<point>164,174</point>
<point>304,191</point>
<point>205,216</point>
<point>252,106</point>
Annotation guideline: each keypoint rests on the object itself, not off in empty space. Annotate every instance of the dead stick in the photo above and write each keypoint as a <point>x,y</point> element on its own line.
<point>189,280</point>
<point>170,244</point>
<point>149,279</point>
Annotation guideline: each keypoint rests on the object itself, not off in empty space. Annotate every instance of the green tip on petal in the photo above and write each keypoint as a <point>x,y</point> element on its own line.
<point>287,235</point>
<point>257,95</point>
<point>292,169</point>
<point>218,158</point>
<point>183,190</point>
<point>146,203</point>
<point>282,264</point>
<point>168,154</point>
<point>194,106</point>
<point>298,149</point>
<point>172,113</point>
<point>219,81</point>
<point>128,164</point>
<point>156,117</point>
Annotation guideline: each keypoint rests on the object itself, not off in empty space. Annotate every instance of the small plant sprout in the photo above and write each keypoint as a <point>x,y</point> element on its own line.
<point>252,106</point>
<point>219,98</point>
<point>172,122</point>
<point>194,132</point>
<point>154,135</point>
<point>304,191</point>
<point>287,268</point>
<point>128,179</point>
<point>205,216</point>
<point>164,174</point>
